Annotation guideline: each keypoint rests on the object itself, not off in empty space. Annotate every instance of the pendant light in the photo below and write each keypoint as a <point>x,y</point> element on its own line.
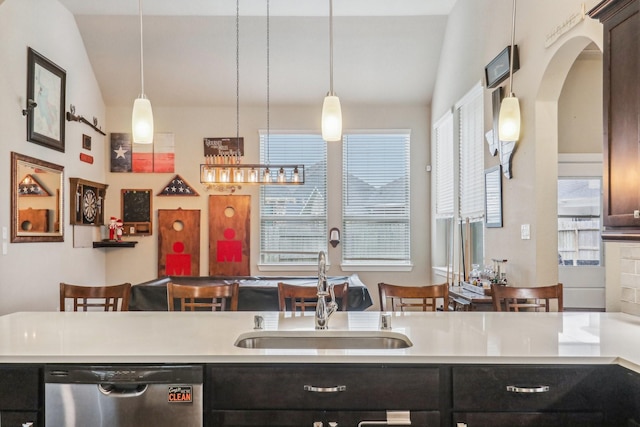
<point>331,111</point>
<point>142,116</point>
<point>227,176</point>
<point>509,118</point>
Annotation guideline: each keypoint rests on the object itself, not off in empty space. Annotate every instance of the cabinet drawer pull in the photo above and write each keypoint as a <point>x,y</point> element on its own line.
<point>538,389</point>
<point>315,389</point>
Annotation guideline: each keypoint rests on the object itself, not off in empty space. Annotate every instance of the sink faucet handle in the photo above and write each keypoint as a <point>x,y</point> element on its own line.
<point>385,322</point>
<point>258,322</point>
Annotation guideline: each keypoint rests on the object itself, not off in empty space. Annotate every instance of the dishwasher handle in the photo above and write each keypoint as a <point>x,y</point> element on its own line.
<point>122,390</point>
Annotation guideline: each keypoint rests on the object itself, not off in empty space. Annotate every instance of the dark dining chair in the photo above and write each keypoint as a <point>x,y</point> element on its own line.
<point>397,297</point>
<point>305,297</point>
<point>223,297</point>
<point>512,298</point>
<point>106,298</point>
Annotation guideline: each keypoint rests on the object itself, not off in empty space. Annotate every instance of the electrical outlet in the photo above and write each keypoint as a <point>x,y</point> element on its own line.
<point>525,232</point>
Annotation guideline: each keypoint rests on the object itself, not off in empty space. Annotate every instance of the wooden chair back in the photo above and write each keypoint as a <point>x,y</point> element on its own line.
<point>412,297</point>
<point>305,297</point>
<point>511,298</point>
<point>222,297</point>
<point>107,298</point>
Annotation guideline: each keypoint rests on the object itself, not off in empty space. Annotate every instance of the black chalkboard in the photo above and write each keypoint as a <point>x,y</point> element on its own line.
<point>136,206</point>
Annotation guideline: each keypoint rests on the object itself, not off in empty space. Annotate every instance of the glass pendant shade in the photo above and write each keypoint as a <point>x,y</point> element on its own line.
<point>509,119</point>
<point>142,121</point>
<point>331,119</point>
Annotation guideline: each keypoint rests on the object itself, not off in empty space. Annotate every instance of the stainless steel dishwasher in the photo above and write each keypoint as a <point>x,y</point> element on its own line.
<point>123,396</point>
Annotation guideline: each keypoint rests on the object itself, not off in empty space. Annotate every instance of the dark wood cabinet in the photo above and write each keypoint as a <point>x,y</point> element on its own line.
<point>621,94</point>
<point>21,399</point>
<point>541,396</point>
<point>296,395</point>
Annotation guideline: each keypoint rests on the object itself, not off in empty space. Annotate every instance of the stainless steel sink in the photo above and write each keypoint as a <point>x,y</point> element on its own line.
<point>345,340</point>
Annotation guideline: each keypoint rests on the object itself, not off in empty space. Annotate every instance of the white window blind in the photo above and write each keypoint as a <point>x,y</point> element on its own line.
<point>471,140</point>
<point>375,206</point>
<point>293,218</point>
<point>443,135</point>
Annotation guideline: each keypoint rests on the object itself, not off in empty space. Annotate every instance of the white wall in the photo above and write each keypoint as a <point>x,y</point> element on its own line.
<point>477,31</point>
<point>190,126</point>
<point>30,272</point>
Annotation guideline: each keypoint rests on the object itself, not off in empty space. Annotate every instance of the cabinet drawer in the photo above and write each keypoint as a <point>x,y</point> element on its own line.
<point>307,418</point>
<point>526,388</point>
<point>19,388</point>
<point>336,387</point>
<point>527,419</point>
<point>263,418</point>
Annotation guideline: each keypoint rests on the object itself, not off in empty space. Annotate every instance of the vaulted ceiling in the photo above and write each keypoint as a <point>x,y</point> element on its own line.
<point>385,51</point>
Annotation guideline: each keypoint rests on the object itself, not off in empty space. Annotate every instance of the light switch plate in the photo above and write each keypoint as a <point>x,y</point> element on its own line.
<point>525,232</point>
<point>4,233</point>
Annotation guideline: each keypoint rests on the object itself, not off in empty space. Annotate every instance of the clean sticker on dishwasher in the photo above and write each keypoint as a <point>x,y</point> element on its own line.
<point>180,394</point>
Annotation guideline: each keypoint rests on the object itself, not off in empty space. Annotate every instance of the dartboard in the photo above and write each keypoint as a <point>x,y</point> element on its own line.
<point>89,205</point>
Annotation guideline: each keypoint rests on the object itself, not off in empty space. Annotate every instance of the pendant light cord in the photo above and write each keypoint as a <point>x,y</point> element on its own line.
<point>141,51</point>
<point>513,53</point>
<point>331,47</point>
<point>238,72</point>
<point>268,87</point>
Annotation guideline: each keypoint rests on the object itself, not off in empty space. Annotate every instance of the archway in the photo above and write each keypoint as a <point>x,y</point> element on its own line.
<point>549,127</point>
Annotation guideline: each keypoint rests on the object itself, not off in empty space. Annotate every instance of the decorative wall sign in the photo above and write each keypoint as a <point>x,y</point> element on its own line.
<point>493,197</point>
<point>224,147</point>
<point>178,187</point>
<point>229,235</point>
<point>120,149</point>
<point>86,158</point>
<point>178,242</point>
<point>46,86</point>
<point>136,212</point>
<point>498,69</point>
<point>158,157</point>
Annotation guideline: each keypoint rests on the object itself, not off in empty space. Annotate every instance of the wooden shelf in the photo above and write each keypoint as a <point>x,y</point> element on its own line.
<point>112,244</point>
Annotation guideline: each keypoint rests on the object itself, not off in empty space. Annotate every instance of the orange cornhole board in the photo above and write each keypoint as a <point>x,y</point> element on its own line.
<point>178,242</point>
<point>229,235</point>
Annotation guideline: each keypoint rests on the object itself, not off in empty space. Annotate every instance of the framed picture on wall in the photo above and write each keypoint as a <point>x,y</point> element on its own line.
<point>493,197</point>
<point>46,86</point>
<point>497,70</point>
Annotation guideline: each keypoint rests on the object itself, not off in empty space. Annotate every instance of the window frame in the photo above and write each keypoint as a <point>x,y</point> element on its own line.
<point>349,261</point>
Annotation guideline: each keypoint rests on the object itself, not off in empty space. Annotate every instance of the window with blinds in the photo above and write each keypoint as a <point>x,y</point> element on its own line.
<point>443,135</point>
<point>471,139</point>
<point>376,200</point>
<point>293,218</point>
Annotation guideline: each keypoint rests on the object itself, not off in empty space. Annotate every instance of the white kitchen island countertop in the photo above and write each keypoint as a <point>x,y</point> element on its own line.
<point>440,337</point>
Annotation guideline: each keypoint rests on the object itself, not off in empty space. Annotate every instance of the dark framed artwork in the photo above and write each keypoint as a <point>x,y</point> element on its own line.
<point>497,70</point>
<point>46,86</point>
<point>86,142</point>
<point>493,197</point>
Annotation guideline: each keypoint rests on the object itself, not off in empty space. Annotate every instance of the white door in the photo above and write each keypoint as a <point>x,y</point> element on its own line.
<point>580,249</point>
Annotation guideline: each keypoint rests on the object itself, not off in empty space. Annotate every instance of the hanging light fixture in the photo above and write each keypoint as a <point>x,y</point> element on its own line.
<point>509,118</point>
<point>220,175</point>
<point>331,111</point>
<point>142,116</point>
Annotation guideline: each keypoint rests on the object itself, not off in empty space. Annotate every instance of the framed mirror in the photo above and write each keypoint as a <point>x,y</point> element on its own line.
<point>36,200</point>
